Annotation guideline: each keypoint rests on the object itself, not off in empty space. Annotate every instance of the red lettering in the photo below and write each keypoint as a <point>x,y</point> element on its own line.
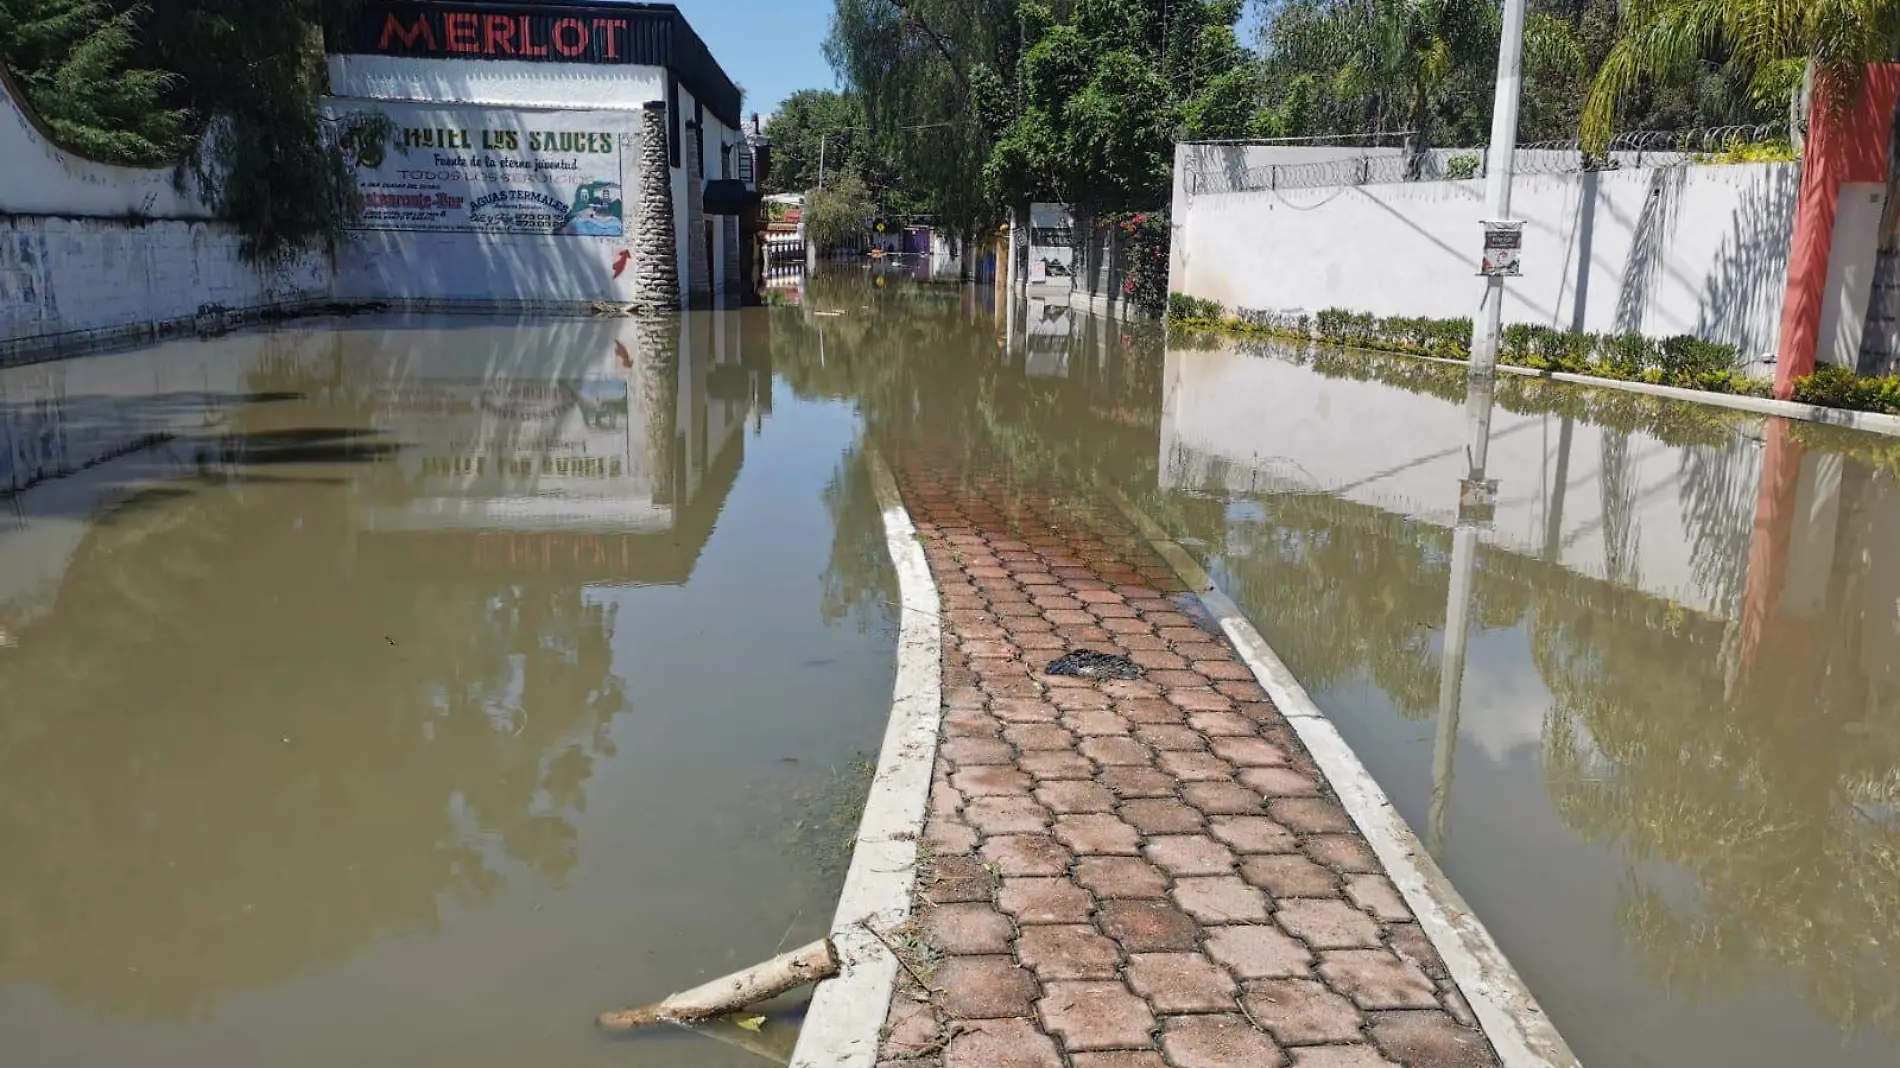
<point>527,39</point>
<point>578,31</point>
<point>609,30</point>
<point>499,31</point>
<point>459,28</point>
<point>421,31</point>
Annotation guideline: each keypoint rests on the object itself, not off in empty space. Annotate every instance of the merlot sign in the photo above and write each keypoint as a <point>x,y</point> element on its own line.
<point>577,34</point>
<point>647,35</point>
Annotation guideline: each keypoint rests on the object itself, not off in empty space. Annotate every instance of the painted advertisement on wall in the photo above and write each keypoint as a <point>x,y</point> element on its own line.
<point>493,170</point>
<point>1051,243</point>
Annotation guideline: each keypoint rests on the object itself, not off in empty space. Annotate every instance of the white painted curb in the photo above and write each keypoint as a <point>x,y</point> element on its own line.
<point>846,1018</point>
<point>1518,1029</point>
<point>1847,418</point>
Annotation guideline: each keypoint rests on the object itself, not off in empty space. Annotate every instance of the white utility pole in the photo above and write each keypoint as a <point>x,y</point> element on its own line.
<point>1489,322</point>
<point>821,159</point>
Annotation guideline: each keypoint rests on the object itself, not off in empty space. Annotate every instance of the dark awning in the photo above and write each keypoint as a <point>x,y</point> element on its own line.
<point>729,196</point>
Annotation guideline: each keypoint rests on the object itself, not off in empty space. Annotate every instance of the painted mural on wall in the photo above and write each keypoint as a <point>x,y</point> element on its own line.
<point>491,170</point>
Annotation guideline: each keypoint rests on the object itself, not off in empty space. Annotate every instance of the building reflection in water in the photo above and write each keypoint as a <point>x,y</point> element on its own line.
<point>305,640</point>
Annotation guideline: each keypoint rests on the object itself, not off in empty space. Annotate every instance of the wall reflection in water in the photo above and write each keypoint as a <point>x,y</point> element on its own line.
<point>1687,618</point>
<point>306,642</point>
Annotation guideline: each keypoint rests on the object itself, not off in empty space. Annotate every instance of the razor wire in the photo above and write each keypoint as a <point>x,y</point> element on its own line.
<point>1220,167</point>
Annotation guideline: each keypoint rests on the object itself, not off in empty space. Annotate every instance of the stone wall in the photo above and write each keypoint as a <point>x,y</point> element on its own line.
<point>655,266</point>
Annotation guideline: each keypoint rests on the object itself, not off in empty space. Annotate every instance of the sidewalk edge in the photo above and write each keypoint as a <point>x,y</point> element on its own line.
<point>1509,1015</point>
<point>846,1019</point>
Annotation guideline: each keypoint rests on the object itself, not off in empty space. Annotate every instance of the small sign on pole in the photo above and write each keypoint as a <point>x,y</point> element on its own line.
<point>1503,242</point>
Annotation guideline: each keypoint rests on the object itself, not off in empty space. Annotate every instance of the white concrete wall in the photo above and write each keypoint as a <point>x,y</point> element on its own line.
<point>91,252</point>
<point>1676,250</point>
<point>39,178</point>
<point>69,281</point>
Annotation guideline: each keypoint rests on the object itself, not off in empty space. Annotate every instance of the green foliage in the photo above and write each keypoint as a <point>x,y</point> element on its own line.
<point>72,60</point>
<point>1838,387</point>
<point>1078,102</point>
<point>1759,43</point>
<point>1120,129</point>
<point>1739,151</point>
<point>839,212</point>
<point>247,77</point>
<point>1183,307</point>
<point>1460,168</point>
<point>916,65</point>
<point>814,126</point>
<point>1353,66</point>
<point>1682,361</point>
<point>1143,238</point>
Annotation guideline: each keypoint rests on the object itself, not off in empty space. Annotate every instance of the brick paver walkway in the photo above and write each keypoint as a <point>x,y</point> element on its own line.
<point>1134,874</point>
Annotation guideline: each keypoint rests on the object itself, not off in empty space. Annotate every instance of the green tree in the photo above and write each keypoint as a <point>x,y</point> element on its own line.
<point>915,65</point>
<point>1101,98</point>
<point>839,212</point>
<point>814,126</point>
<point>244,79</point>
<point>72,59</point>
<point>1764,44</point>
<point>1426,66</point>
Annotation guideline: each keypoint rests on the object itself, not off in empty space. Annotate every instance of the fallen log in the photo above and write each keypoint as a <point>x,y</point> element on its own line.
<point>761,982</point>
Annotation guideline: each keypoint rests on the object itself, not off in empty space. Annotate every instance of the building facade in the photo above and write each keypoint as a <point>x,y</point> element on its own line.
<point>511,154</point>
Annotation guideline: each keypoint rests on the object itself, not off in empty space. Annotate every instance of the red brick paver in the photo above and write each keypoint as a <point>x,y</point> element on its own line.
<point>1147,873</point>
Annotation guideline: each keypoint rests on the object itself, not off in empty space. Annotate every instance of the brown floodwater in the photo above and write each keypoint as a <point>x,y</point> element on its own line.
<point>1662,760</point>
<point>399,691</point>
<point>404,691</point>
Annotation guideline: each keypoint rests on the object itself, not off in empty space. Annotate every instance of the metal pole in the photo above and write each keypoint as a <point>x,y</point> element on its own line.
<point>821,159</point>
<point>1489,322</point>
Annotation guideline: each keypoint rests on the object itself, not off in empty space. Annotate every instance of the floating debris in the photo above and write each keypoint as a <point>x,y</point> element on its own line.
<point>1089,664</point>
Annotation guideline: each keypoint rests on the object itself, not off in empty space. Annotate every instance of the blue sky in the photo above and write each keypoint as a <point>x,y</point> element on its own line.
<point>772,47</point>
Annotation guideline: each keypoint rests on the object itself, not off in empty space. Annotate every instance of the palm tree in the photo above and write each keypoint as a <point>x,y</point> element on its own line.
<point>1767,42</point>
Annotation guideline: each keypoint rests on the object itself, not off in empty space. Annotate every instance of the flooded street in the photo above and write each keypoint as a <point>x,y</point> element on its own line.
<point>396,691</point>
<point>404,692</point>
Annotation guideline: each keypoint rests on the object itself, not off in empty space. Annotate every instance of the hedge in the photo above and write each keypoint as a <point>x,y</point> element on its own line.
<point>1685,361</point>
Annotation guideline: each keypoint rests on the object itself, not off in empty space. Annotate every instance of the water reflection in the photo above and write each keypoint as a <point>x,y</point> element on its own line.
<point>317,644</point>
<point>1624,664</point>
<point>1708,625</point>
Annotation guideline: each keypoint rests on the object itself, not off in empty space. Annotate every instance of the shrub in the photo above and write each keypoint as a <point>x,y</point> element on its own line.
<point>1684,357</point>
<point>1683,361</point>
<point>1625,355</point>
<point>1182,306</point>
<point>1838,387</point>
